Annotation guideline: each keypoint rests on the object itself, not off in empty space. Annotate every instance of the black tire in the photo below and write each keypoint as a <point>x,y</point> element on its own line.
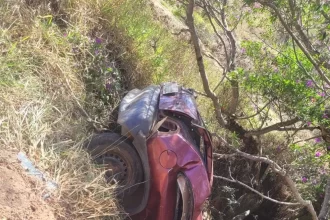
<point>119,154</point>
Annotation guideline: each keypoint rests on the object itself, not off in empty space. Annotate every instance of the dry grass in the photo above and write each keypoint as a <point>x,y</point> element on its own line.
<point>50,65</point>
<point>41,84</point>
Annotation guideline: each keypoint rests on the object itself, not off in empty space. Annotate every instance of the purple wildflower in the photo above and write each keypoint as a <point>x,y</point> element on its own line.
<point>318,154</point>
<point>309,83</point>
<point>109,84</point>
<point>325,116</point>
<point>97,52</point>
<point>65,35</point>
<point>243,50</point>
<point>308,123</point>
<point>317,140</point>
<point>98,40</point>
<point>322,94</point>
<point>304,179</point>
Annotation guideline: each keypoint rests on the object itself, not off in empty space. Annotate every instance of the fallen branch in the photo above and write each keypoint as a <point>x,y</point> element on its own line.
<point>232,180</point>
<point>277,169</point>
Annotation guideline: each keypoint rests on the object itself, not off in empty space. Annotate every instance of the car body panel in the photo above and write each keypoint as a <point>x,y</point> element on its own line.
<point>181,102</point>
<point>162,195</point>
<point>166,154</point>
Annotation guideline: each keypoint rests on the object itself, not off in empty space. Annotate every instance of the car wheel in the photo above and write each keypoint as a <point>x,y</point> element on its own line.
<point>121,160</point>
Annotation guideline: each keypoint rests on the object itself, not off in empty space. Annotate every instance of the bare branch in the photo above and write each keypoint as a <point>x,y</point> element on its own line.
<point>257,113</point>
<point>199,57</point>
<point>307,139</point>
<point>274,127</point>
<point>298,129</point>
<point>232,64</point>
<point>231,56</point>
<point>231,37</point>
<point>255,191</point>
<point>296,17</point>
<point>296,194</point>
<point>223,156</point>
<point>214,12</point>
<point>217,33</point>
<point>200,93</point>
<point>200,63</point>
<point>209,55</point>
<point>222,79</point>
<point>182,30</point>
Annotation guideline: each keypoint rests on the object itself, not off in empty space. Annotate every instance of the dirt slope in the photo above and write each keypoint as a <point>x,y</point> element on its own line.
<point>19,195</point>
<point>163,14</point>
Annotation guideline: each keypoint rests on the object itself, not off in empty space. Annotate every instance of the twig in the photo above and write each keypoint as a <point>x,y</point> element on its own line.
<point>274,127</point>
<point>200,93</point>
<point>298,129</point>
<point>257,113</point>
<point>307,139</point>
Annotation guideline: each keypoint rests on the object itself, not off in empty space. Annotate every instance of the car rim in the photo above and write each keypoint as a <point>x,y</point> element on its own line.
<point>117,169</point>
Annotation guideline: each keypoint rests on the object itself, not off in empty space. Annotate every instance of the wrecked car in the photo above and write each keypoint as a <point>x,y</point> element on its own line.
<point>162,160</point>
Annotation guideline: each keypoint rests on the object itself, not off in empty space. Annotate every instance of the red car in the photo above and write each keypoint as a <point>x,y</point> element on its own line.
<point>163,158</point>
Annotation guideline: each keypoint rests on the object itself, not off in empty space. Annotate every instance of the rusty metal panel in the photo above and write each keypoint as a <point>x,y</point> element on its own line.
<point>181,102</point>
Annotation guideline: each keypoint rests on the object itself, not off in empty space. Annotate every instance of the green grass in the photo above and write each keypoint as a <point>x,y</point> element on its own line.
<point>171,60</point>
